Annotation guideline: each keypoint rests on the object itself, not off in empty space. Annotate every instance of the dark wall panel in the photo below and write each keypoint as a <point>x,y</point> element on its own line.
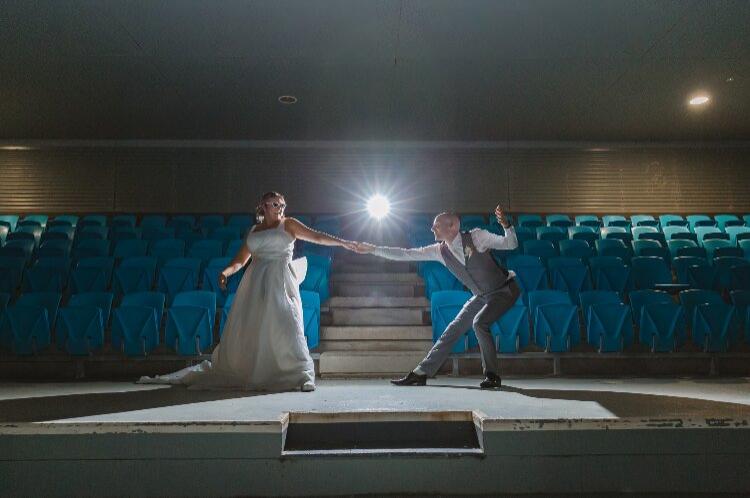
<point>178,179</point>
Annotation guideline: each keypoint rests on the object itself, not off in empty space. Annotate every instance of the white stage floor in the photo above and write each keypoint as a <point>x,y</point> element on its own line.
<point>543,398</point>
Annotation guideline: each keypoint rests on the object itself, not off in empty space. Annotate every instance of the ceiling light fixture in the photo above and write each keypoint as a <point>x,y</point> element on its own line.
<point>699,100</point>
<point>288,99</point>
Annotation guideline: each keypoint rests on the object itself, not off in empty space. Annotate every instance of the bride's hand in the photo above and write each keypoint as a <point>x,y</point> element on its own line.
<point>349,245</point>
<point>222,281</point>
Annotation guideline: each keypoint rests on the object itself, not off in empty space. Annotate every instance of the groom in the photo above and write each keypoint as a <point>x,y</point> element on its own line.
<point>494,289</point>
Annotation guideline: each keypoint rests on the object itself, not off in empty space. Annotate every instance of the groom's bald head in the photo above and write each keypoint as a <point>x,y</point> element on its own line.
<point>446,226</point>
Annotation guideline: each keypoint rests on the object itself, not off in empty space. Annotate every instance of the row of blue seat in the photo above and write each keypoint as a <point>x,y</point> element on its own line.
<point>135,326</point>
<point>551,320</point>
<point>574,276</point>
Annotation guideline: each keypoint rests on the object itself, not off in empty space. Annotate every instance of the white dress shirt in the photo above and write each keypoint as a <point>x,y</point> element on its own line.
<point>483,241</point>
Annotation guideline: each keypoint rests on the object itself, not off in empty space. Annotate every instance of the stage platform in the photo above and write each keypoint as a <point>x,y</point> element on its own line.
<point>364,436</point>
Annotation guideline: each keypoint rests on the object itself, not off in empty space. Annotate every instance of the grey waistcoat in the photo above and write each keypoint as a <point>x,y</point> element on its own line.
<point>481,274</point>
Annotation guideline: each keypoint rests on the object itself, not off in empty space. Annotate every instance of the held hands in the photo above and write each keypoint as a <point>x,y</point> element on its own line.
<point>358,247</point>
<point>500,215</point>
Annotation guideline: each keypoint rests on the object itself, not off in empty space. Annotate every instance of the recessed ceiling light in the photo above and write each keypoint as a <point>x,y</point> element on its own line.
<point>14,147</point>
<point>699,100</point>
<point>730,79</point>
<point>288,99</point>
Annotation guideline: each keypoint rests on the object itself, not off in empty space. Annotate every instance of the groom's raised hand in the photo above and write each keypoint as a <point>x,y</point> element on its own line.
<point>500,215</point>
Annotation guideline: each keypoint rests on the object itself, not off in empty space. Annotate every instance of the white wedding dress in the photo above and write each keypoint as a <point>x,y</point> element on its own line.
<point>263,346</point>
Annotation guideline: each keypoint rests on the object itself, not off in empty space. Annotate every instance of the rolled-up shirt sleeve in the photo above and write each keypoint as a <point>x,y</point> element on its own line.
<point>484,240</point>
<point>425,253</point>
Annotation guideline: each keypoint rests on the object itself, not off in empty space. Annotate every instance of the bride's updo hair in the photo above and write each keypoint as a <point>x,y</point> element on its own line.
<point>260,210</point>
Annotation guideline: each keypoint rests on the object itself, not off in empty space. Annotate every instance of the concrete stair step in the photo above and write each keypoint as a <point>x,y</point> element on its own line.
<point>369,363</point>
<point>376,289</point>
<point>377,333</point>
<point>378,316</point>
<point>370,345</point>
<point>374,267</point>
<point>378,302</point>
<point>398,277</point>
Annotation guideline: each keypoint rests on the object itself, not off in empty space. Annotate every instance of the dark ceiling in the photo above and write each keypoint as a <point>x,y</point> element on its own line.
<point>374,69</point>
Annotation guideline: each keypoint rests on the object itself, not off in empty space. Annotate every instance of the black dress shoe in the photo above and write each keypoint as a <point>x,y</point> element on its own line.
<point>411,379</point>
<point>491,381</point>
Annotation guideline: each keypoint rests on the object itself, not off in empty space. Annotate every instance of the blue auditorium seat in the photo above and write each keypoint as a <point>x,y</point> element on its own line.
<point>709,233</point>
<point>523,260</point>
<point>552,234</point>
<point>46,275</point>
<point>166,249</point>
<point>641,298</point>
<point>613,247</point>
<point>530,277</point>
<point>678,233</point>
<point>438,278</point>
<point>511,331</point>
<point>569,275</point>
<point>136,323</point>
<point>178,275</point>
<point>91,248</point>
<point>638,232</point>
<point>152,234</point>
<point>739,277</point>
<point>716,248</point>
<point>745,246</point>
<point>737,233</point>
<point>651,248</point>
<point>40,219</point>
<point>123,220</point>
<point>130,248</point>
<point>444,307</point>
<point>681,265</point>
<point>190,322</point>
<point>555,320</point>
<point>643,220</point>
<point>649,272</point>
<point>585,233</point>
<point>119,233</point>
<point>615,220</point>
<point>693,297</point>
<point>245,221</point>
<point>588,220</point>
<point>539,298</point>
<point>703,277</point>
<point>669,220</point>
<point>576,249</point>
<point>662,327</point>
<point>728,220</point>
<point>226,235</point>
<point>153,220</point>
<point>679,248</point>
<point>589,298</point>
<point>529,221</point>
<point>316,280</point>
<point>27,324</point>
<point>699,220</point>
<point>714,326</point>
<point>609,327</point>
<point>80,329</point>
<point>470,221</point>
<point>560,220</point>
<point>181,222</point>
<point>211,279</point>
<point>724,267</point>
<point>741,302</point>
<point>234,247</point>
<point>610,273</point>
<point>11,272</point>
<point>311,317</point>
<point>91,274</point>
<point>55,248</point>
<point>89,232</point>
<point>99,220</point>
<point>59,231</point>
<point>11,220</point>
<point>206,250</point>
<point>543,249</point>
<point>210,222</point>
<point>134,275</point>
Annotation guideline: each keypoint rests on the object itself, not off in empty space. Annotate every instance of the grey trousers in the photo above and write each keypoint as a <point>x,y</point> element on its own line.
<point>478,313</point>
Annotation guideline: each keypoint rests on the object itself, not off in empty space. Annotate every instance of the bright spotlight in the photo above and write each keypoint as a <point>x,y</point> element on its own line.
<point>699,100</point>
<point>378,206</point>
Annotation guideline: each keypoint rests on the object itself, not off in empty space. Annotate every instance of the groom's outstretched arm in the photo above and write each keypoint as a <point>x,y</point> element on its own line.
<point>425,253</point>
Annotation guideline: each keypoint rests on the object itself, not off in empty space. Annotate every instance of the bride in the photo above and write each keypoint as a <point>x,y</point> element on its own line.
<point>263,347</point>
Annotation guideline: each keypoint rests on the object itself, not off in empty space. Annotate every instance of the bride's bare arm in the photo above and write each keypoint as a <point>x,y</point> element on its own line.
<point>240,259</point>
<point>299,230</point>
